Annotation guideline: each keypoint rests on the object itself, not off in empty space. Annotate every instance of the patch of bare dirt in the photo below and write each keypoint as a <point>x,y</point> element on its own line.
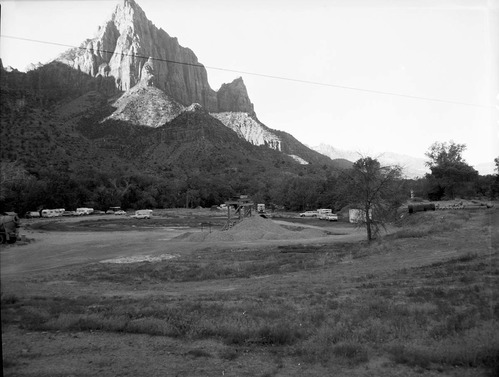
<point>255,228</point>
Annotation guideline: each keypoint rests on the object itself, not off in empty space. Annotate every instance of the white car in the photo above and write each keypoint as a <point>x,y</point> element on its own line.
<point>332,217</point>
<point>309,214</point>
<point>120,212</point>
<point>142,214</point>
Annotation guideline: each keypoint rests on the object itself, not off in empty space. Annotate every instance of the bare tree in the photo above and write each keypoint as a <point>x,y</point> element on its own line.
<point>375,189</point>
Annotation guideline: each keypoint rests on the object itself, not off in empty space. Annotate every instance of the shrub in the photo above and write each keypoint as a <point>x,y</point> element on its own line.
<point>197,352</point>
<point>34,318</point>
<point>411,233</point>
<point>333,341</point>
<point>279,334</point>
<point>85,322</point>
<point>151,326</point>
<point>9,299</point>
<point>412,357</point>
<point>472,348</point>
<point>229,354</point>
<point>355,353</point>
<point>467,257</point>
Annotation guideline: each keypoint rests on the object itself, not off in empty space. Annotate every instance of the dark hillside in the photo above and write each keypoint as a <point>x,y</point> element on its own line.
<point>53,127</point>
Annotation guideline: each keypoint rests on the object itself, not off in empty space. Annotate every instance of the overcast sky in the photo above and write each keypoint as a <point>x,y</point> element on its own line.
<point>352,51</point>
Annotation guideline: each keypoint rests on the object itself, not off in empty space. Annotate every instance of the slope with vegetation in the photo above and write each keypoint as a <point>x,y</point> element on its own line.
<point>415,303</point>
<point>59,131</point>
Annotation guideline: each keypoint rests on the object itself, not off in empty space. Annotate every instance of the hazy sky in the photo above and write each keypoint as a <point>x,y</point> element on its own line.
<point>436,49</point>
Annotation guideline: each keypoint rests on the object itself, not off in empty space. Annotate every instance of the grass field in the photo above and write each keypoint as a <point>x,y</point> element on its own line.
<point>420,301</point>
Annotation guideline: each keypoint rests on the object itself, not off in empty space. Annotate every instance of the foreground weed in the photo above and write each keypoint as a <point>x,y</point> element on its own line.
<point>355,353</point>
<point>477,347</point>
<point>9,299</point>
<point>229,353</point>
<point>197,352</point>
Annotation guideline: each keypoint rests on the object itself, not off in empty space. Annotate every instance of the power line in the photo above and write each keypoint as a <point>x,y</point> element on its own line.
<point>199,65</point>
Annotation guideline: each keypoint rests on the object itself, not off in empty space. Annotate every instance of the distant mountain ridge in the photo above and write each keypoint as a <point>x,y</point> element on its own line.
<point>412,166</point>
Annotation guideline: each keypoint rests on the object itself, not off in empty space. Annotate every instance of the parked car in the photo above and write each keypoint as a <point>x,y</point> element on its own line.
<point>332,217</point>
<point>120,212</point>
<point>32,214</point>
<point>142,214</point>
<point>309,214</point>
<point>69,213</point>
<point>323,213</point>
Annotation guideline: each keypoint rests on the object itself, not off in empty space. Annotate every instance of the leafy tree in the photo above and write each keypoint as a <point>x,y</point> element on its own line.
<point>494,186</point>
<point>12,174</point>
<point>450,175</point>
<point>376,190</point>
<point>445,153</point>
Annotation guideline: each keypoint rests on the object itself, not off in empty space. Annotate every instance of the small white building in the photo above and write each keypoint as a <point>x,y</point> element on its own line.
<point>358,215</point>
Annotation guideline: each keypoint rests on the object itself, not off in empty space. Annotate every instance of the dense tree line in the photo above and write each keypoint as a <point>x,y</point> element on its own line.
<point>23,189</point>
<point>30,191</point>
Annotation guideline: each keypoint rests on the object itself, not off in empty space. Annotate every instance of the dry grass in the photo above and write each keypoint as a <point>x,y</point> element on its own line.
<point>437,317</point>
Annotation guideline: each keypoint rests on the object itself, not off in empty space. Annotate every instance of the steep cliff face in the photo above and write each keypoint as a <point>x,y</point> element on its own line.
<point>124,44</point>
<point>249,129</point>
<point>234,97</point>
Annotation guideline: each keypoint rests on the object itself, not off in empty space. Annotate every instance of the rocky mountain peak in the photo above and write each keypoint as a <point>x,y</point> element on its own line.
<point>127,14</point>
<point>234,97</point>
<point>125,47</point>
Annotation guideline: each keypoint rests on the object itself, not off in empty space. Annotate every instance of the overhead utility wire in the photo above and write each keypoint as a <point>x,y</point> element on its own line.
<point>199,65</point>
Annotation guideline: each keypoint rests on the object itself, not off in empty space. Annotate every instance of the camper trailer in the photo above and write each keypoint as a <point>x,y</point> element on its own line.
<point>84,211</point>
<point>49,213</point>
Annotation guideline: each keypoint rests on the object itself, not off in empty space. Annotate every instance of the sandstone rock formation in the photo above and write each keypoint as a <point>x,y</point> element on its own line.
<point>145,105</point>
<point>147,73</point>
<point>122,48</point>
<point>246,127</point>
<point>234,97</point>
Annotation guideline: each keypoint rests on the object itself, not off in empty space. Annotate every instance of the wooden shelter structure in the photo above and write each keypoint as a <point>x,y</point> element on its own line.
<point>244,208</point>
